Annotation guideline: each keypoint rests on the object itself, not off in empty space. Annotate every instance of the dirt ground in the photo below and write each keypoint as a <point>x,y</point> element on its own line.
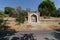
<point>46,24</point>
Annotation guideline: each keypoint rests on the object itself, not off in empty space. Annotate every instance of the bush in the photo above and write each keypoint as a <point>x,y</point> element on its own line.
<point>21,17</point>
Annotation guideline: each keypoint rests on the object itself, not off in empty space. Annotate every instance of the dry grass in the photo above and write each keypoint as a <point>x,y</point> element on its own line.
<point>43,25</point>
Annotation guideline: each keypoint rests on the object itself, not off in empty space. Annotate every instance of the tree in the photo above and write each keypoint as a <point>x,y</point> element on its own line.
<point>21,15</point>
<point>18,9</point>
<point>46,7</point>
<point>57,13</point>
<point>10,11</point>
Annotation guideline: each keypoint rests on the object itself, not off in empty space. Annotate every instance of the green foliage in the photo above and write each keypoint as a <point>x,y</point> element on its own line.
<point>10,11</point>
<point>20,18</point>
<point>21,15</point>
<point>2,14</point>
<point>46,7</point>
<point>25,14</point>
<point>58,13</point>
<point>55,13</point>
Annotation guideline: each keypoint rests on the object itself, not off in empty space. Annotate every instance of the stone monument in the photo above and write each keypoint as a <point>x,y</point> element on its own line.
<point>33,17</point>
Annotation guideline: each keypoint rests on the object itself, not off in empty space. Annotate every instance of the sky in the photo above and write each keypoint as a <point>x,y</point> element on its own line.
<point>32,4</point>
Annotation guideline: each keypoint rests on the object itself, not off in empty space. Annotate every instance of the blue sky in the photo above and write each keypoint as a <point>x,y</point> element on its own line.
<point>32,4</point>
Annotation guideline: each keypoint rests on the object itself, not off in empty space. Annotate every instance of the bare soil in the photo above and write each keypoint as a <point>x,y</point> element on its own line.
<point>47,24</point>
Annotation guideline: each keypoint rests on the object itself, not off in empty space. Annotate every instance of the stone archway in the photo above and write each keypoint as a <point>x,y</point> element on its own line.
<point>33,18</point>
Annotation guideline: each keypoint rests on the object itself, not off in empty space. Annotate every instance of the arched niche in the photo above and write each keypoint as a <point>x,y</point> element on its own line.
<point>34,18</point>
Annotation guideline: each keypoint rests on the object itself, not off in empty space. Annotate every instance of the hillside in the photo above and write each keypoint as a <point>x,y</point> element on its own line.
<point>45,24</point>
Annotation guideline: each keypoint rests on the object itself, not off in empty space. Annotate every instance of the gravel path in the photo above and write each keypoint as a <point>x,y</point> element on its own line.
<point>38,35</point>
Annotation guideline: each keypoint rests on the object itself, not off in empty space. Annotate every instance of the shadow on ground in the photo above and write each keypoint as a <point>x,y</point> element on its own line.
<point>5,32</point>
<point>57,34</point>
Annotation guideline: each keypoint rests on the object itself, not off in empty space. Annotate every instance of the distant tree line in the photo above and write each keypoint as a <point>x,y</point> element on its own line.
<point>46,8</point>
